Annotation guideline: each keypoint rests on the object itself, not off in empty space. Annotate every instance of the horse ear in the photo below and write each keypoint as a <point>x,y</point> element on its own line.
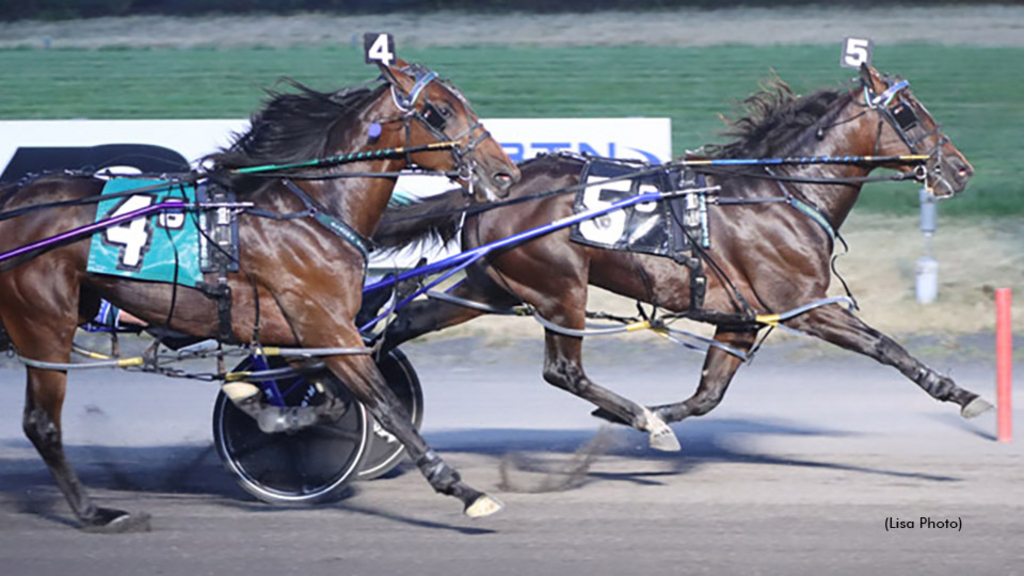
<point>394,74</point>
<point>869,77</point>
<point>865,74</point>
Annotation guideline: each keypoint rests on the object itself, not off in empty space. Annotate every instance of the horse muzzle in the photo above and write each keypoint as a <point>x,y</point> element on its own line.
<point>495,183</point>
<point>947,176</point>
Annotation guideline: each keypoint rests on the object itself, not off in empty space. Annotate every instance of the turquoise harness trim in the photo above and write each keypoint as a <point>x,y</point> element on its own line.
<point>815,215</point>
<point>886,97</point>
<point>344,230</point>
<point>421,83</point>
<point>423,78</point>
<point>333,224</point>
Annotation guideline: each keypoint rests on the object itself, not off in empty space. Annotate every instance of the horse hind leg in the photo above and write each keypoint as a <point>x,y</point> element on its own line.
<point>715,377</point>
<point>563,368</point>
<point>49,339</point>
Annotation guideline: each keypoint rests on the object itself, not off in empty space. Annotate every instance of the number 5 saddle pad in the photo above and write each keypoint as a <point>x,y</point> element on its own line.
<point>160,247</point>
<point>661,228</point>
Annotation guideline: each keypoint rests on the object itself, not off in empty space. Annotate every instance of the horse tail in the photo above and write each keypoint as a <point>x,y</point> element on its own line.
<point>437,218</point>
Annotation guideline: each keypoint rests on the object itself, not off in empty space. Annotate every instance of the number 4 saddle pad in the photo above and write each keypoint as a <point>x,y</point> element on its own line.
<point>165,246</point>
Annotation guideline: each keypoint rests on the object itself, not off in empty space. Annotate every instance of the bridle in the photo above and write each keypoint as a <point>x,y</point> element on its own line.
<point>435,122</point>
<point>895,109</point>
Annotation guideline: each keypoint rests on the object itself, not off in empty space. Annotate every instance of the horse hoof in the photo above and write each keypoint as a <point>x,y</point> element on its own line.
<point>975,408</point>
<point>484,505</point>
<point>665,440</point>
<point>661,436</point>
<point>118,522</point>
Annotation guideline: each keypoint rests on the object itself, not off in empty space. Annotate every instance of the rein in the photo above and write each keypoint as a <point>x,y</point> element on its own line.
<point>348,158</point>
<point>265,171</point>
<point>710,167</point>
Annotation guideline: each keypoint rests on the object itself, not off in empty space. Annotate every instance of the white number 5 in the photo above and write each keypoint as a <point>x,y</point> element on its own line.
<point>856,51</point>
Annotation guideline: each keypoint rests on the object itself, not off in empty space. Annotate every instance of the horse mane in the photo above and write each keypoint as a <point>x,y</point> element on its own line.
<point>292,127</point>
<point>774,120</point>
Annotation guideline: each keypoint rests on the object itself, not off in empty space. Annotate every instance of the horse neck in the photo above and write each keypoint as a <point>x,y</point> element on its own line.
<point>360,201</point>
<point>852,138</point>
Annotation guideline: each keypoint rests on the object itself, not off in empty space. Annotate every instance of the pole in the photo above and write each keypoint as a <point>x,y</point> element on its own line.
<point>1004,366</point>
<point>926,285</point>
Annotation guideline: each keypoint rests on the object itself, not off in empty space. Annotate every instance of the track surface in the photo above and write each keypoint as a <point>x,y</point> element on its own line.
<point>794,474</point>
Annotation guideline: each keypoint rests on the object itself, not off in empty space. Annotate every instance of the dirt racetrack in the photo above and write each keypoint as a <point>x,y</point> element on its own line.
<point>796,473</point>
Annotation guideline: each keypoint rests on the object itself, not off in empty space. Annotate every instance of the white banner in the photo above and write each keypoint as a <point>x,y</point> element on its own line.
<point>37,145</point>
<point>647,139</point>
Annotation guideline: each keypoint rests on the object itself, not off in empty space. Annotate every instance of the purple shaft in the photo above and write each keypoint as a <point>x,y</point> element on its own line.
<point>90,229</point>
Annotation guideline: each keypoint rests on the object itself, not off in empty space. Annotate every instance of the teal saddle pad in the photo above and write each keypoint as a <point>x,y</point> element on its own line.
<point>161,247</point>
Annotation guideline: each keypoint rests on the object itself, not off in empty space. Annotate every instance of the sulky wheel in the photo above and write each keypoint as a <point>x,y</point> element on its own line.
<point>313,464</point>
<point>385,452</point>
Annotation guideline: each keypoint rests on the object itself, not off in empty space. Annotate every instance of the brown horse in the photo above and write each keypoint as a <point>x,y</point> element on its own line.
<point>300,280</point>
<point>764,257</point>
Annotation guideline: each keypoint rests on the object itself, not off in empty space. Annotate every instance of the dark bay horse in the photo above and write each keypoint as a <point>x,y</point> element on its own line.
<point>776,257</point>
<point>299,277</point>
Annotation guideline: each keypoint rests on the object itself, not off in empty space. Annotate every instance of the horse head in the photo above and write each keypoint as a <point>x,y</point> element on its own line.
<point>906,127</point>
<point>434,110</point>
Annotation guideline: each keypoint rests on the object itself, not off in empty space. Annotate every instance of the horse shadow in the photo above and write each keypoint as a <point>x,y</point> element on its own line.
<point>551,460</point>
<point>705,443</point>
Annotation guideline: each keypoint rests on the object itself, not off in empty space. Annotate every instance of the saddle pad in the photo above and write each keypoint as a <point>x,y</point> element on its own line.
<point>649,227</point>
<point>161,247</point>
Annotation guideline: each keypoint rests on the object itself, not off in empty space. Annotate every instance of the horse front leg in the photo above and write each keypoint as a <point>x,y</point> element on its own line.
<point>365,381</point>
<point>840,327</point>
<point>361,375</point>
<point>718,371</point>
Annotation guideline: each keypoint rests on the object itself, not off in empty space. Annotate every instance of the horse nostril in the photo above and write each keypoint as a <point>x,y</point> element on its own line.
<point>503,179</point>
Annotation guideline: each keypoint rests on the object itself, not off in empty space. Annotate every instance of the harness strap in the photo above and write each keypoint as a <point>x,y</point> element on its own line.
<point>807,209</point>
<point>221,293</point>
<point>445,297</point>
<point>814,214</point>
<point>319,213</point>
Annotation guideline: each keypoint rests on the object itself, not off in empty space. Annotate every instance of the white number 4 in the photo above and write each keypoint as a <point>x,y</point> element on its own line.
<point>132,235</point>
<point>379,47</point>
<point>856,51</point>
